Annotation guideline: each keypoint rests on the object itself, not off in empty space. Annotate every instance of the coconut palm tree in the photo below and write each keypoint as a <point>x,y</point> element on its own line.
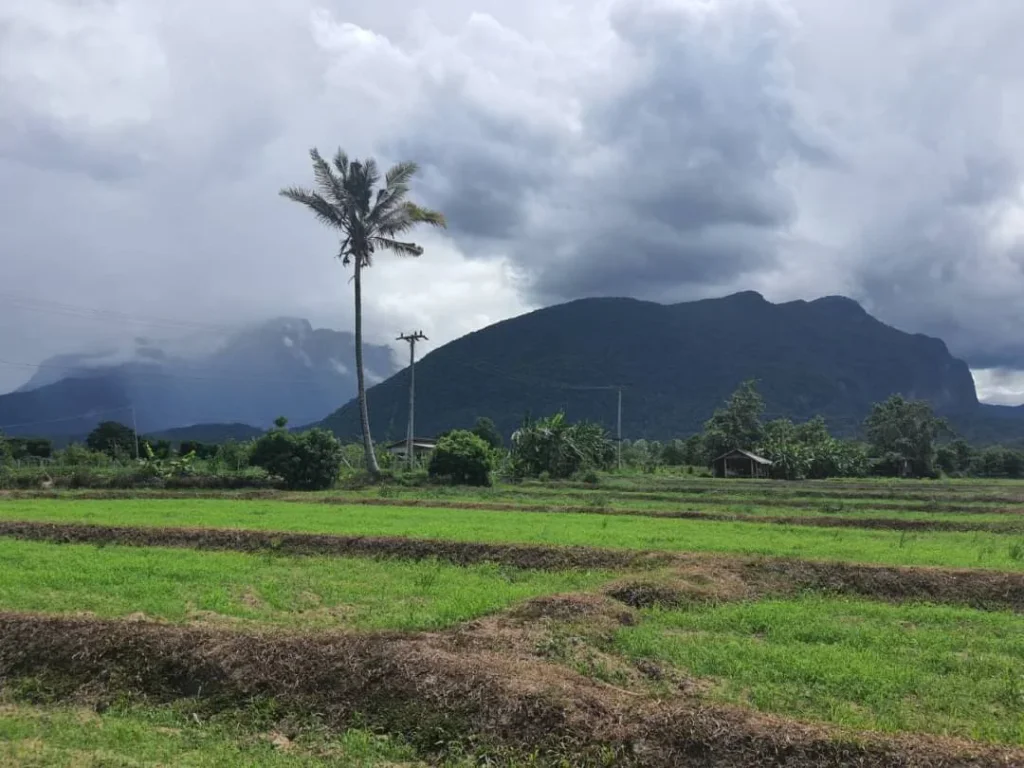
<point>369,217</point>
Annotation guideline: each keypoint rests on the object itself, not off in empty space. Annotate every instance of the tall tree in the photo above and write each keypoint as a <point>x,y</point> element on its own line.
<point>112,438</point>
<point>369,217</point>
<point>738,425</point>
<point>486,430</point>
<point>902,435</point>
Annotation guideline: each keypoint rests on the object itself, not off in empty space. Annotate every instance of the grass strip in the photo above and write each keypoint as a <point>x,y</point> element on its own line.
<point>307,592</point>
<point>856,663</point>
<point>131,736</point>
<point>711,576</point>
<point>967,550</point>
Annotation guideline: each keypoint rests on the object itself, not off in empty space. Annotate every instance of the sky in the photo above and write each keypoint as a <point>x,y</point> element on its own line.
<point>661,149</point>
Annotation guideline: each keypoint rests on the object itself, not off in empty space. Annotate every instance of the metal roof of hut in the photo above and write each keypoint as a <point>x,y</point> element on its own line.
<point>737,452</point>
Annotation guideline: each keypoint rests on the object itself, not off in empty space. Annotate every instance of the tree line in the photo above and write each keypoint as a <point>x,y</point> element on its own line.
<point>900,438</point>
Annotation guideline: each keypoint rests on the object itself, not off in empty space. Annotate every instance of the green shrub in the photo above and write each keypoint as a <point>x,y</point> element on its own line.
<point>76,455</point>
<point>309,461</point>
<point>461,458</point>
<point>413,478</point>
<point>555,448</point>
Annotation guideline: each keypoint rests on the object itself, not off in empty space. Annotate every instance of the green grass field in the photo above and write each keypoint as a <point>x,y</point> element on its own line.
<point>863,664</point>
<point>857,663</point>
<point>976,549</point>
<point>34,737</point>
<point>295,592</point>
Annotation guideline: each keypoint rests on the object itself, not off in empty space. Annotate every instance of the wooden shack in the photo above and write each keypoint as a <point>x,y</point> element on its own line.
<point>421,446</point>
<point>740,463</point>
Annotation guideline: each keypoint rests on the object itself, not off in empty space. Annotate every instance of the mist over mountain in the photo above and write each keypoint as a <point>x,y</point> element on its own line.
<point>676,364</point>
<point>283,367</point>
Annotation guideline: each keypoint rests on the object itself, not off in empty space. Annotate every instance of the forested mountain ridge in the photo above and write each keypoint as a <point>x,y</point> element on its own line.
<point>676,364</point>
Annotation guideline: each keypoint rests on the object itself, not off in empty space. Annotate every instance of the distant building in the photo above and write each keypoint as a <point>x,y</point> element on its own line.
<point>421,446</point>
<point>740,463</point>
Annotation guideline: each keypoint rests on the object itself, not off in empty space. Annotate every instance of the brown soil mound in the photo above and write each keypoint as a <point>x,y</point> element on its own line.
<point>975,588</point>
<point>646,594</point>
<point>422,688</point>
<point>884,524</point>
<point>575,607</point>
<point>702,579</point>
<point>458,552</point>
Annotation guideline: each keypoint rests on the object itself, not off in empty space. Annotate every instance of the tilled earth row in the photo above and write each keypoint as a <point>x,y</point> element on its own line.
<point>481,684</point>
<point>850,518</point>
<point>704,575</point>
<point>973,491</point>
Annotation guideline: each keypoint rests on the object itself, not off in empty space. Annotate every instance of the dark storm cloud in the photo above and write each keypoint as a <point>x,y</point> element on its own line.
<point>481,192</point>
<point>49,148</point>
<point>798,149</point>
<point>480,166</point>
<point>654,263</point>
<point>669,182</point>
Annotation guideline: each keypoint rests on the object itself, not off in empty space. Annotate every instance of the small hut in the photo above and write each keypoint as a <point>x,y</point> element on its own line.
<point>421,446</point>
<point>740,463</point>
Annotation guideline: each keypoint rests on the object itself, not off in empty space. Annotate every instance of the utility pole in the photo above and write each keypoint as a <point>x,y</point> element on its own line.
<point>135,430</point>
<point>412,338</point>
<point>619,430</point>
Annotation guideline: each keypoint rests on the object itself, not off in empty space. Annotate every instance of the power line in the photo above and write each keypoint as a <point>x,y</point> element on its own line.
<point>618,388</point>
<point>74,310</point>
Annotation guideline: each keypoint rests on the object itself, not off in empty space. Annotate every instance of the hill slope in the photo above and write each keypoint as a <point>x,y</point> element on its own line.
<point>677,363</point>
<point>282,367</point>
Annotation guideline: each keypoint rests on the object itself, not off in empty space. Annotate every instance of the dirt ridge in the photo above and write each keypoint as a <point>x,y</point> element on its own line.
<point>539,557</point>
<point>438,689</point>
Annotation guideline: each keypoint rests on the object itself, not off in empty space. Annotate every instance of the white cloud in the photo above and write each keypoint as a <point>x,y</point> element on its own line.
<point>999,387</point>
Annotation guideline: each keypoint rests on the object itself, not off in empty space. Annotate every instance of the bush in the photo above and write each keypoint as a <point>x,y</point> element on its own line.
<point>76,455</point>
<point>558,449</point>
<point>461,458</point>
<point>413,478</point>
<point>233,455</point>
<point>134,477</point>
<point>309,461</point>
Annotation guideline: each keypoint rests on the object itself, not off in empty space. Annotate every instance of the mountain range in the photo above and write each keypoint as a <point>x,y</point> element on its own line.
<point>675,364</point>
<point>279,368</point>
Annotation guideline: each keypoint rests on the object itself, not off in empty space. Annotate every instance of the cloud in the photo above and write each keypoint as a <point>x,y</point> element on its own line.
<point>998,386</point>
<point>665,149</point>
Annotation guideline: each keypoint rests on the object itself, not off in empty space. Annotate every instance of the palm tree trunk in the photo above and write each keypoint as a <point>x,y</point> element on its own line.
<point>364,414</point>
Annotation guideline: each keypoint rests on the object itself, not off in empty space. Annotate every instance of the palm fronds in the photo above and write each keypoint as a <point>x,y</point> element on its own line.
<point>369,215</point>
